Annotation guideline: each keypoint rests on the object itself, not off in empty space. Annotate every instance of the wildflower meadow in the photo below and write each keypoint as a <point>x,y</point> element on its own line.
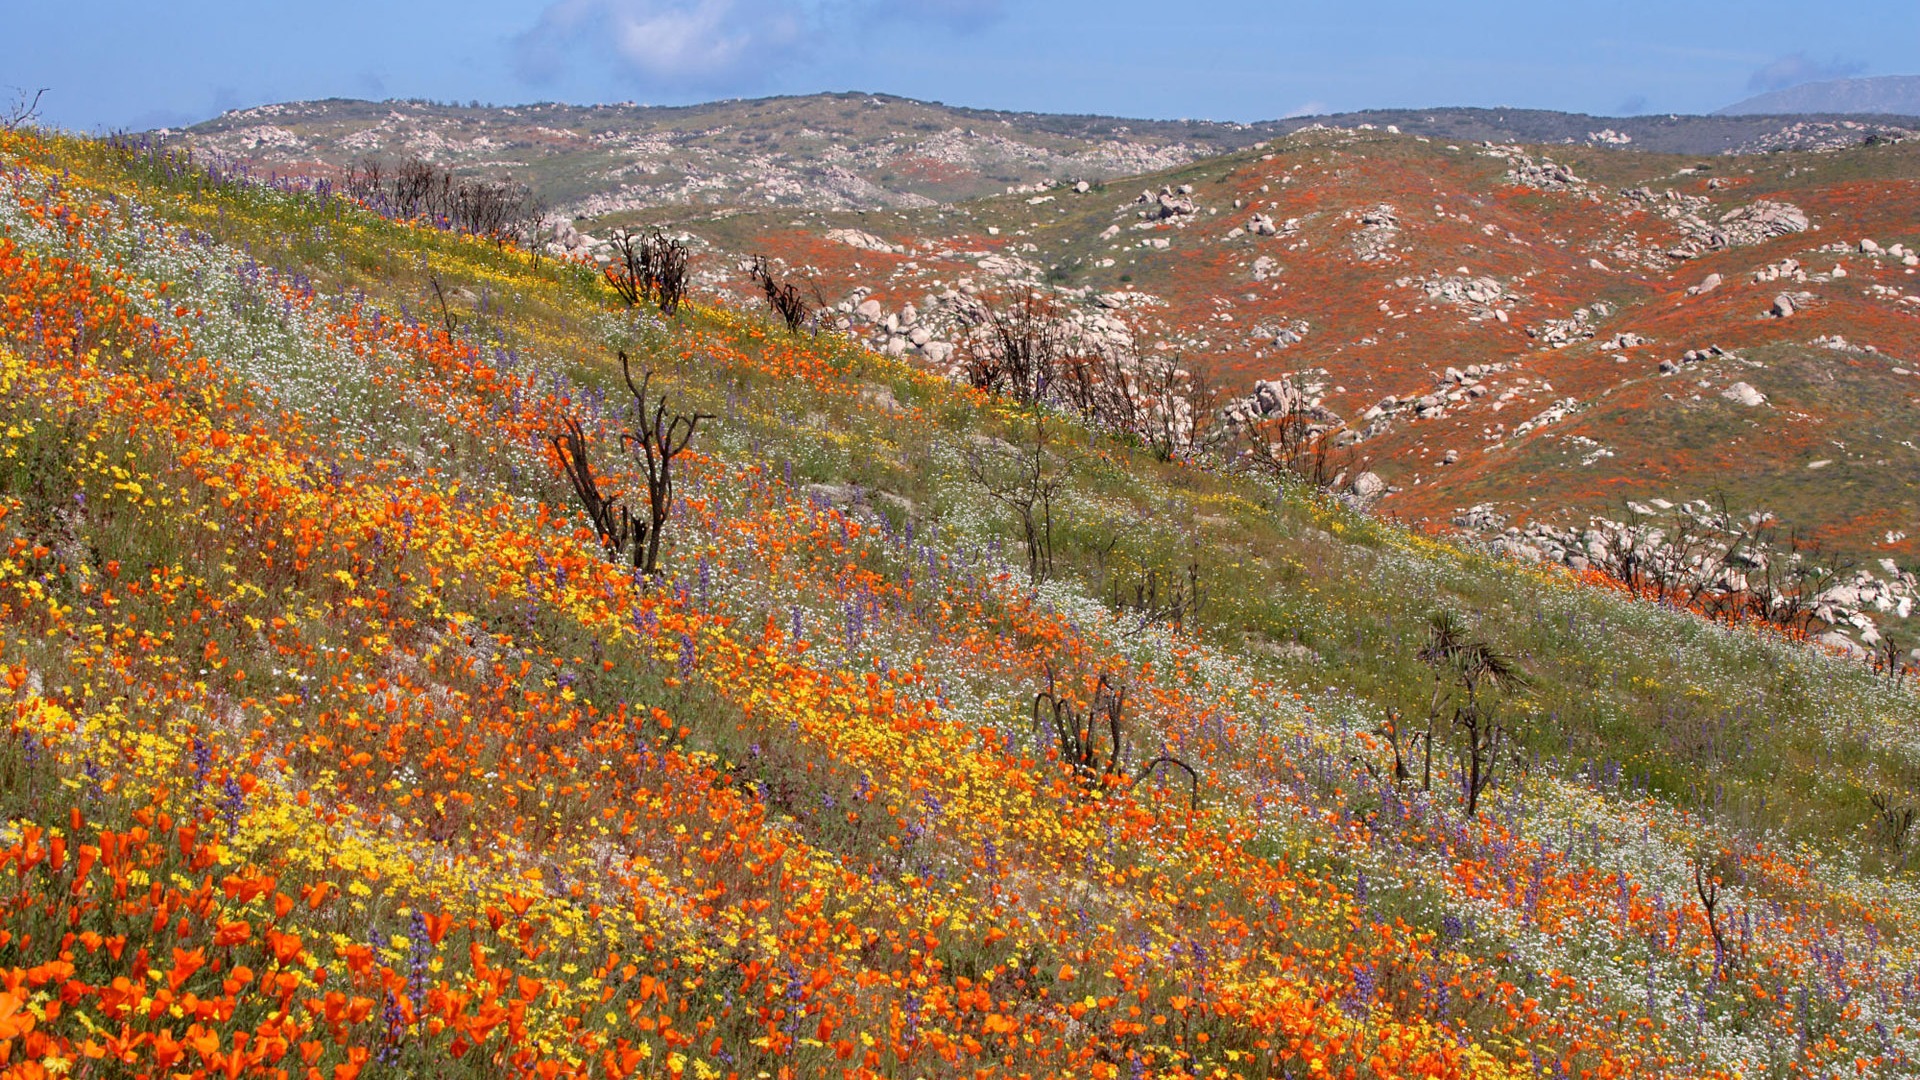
<point>334,745</point>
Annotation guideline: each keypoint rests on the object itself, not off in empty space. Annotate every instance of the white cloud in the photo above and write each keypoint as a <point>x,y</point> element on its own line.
<point>1311,108</point>
<point>664,43</point>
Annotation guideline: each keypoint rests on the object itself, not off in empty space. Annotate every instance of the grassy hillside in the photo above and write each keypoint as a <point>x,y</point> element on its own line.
<point>335,747</point>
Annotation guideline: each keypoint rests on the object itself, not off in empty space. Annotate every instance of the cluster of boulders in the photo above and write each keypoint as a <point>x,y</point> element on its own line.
<point>1896,594</point>
<point>1168,202</point>
<point>1544,174</point>
<point>1455,386</point>
<point>1752,224</point>
<point>1297,394</point>
<point>1756,223</point>
<point>569,242</point>
<point>1485,296</point>
<point>1694,356</point>
<point>1552,414</point>
<point>1283,337</point>
<point>942,328</point>
<point>1822,136</point>
<point>893,333</point>
<point>1560,333</point>
<point>1264,225</point>
<point>1379,228</point>
<point>1900,252</point>
<point>1789,269</point>
<point>1851,609</point>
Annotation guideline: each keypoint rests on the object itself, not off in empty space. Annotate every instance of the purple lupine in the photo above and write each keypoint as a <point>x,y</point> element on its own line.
<point>202,756</point>
<point>1359,997</point>
<point>419,954</point>
<point>395,1022</point>
<point>910,1010</point>
<point>232,802</point>
<point>855,627</point>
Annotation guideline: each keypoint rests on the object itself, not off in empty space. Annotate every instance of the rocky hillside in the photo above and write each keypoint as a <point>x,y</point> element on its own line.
<point>866,151</point>
<point>828,151</point>
<point>1514,339</point>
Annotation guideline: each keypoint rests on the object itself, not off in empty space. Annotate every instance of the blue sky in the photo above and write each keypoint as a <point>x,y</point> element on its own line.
<point>110,64</point>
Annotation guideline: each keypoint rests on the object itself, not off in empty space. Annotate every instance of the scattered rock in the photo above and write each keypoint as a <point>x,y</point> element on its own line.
<point>1707,285</point>
<point>1840,642</point>
<point>1744,394</point>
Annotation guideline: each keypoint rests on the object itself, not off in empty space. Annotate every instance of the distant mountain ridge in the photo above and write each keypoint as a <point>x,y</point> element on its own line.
<point>853,151</point>
<point>1880,95</point>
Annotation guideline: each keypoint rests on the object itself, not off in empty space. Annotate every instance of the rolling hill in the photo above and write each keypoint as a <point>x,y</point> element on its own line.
<point>857,151</point>
<point>342,739</point>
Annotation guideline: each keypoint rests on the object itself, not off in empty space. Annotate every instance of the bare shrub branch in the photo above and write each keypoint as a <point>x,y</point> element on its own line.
<point>1091,742</point>
<point>661,438</point>
<point>783,297</point>
<point>650,269</point>
<point>1019,479</point>
<point>24,109</point>
<point>657,438</point>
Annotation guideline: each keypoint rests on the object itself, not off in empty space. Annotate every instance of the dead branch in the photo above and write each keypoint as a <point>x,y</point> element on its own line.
<point>619,533</point>
<point>23,109</point>
<point>783,297</point>
<point>661,438</point>
<point>1707,888</point>
<point>1077,739</point>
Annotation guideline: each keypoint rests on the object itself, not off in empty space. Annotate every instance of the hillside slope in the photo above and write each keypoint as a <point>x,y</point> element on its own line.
<point>334,742</point>
<point>1513,336</point>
